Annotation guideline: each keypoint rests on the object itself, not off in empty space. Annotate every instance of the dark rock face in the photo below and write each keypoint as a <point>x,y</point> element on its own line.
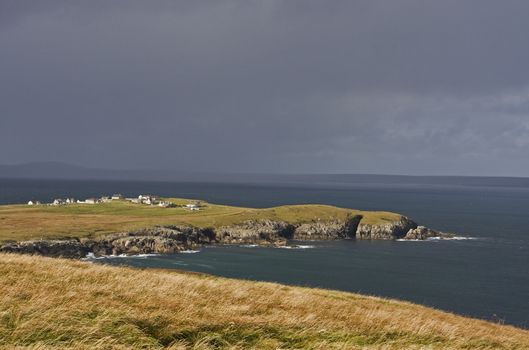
<point>391,230</point>
<point>164,240</point>
<point>173,239</point>
<point>262,232</point>
<point>422,232</point>
<point>54,248</point>
<point>328,230</point>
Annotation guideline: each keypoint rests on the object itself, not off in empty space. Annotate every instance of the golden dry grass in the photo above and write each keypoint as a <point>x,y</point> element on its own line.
<point>23,222</point>
<point>60,304</point>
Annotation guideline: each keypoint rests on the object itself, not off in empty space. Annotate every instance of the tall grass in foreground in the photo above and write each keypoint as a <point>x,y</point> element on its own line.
<point>60,304</point>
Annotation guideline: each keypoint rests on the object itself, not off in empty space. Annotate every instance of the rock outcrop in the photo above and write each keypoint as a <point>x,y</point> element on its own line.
<point>163,240</point>
<point>73,249</point>
<point>328,230</point>
<point>422,233</point>
<point>262,232</point>
<point>390,230</point>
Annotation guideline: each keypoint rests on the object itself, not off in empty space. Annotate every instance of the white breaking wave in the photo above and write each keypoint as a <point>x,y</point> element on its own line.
<point>297,247</point>
<point>455,238</point>
<point>91,256</point>
<point>282,247</point>
<point>190,251</point>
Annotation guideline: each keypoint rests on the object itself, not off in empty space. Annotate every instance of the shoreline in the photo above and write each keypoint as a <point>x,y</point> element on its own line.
<point>262,233</point>
<point>116,226</point>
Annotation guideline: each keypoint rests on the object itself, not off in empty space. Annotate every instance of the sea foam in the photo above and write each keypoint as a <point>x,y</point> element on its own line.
<point>436,239</point>
<point>91,256</point>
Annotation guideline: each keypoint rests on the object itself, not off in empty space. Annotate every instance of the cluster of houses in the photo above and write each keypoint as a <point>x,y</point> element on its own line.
<point>151,200</point>
<point>64,201</point>
<point>141,199</point>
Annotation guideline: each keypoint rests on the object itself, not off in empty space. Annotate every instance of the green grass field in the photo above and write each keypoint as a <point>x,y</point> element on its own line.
<point>23,222</point>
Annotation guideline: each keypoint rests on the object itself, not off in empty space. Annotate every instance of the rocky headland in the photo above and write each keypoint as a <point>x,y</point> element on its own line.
<point>174,239</point>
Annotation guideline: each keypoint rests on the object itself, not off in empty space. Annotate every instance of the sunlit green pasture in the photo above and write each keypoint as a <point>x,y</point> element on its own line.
<point>23,222</point>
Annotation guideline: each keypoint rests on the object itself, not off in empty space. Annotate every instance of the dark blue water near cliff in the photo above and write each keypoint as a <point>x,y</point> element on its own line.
<point>486,277</point>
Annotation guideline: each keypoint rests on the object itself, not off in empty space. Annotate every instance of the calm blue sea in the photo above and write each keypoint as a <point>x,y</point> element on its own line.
<point>485,277</point>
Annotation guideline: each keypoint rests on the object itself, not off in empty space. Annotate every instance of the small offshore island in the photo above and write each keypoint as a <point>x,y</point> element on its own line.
<point>147,224</point>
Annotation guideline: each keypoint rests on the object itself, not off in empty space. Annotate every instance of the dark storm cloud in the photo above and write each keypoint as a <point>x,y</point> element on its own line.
<point>276,86</point>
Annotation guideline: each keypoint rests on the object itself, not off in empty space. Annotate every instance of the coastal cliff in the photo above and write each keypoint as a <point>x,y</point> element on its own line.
<point>390,230</point>
<point>174,239</point>
<point>262,232</point>
<point>162,239</point>
<point>328,230</point>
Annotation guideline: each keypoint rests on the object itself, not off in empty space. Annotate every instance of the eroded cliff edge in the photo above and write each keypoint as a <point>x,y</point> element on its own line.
<point>173,239</point>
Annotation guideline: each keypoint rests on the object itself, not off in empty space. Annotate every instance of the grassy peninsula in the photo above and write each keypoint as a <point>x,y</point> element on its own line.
<point>66,304</point>
<point>23,222</point>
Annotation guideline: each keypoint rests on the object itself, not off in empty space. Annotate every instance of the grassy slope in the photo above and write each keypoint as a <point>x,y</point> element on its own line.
<point>57,304</point>
<point>22,222</point>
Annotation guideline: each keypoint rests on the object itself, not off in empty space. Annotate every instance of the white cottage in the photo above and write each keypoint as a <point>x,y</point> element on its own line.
<point>193,206</point>
<point>147,199</point>
<point>165,204</point>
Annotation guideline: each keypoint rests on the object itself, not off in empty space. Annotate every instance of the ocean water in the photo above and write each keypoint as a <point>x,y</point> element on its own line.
<point>485,276</point>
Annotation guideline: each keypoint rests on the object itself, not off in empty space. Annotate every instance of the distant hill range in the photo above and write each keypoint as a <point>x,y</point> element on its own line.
<point>58,170</point>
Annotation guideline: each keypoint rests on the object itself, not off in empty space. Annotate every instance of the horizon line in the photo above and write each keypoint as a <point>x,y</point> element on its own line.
<point>202,172</point>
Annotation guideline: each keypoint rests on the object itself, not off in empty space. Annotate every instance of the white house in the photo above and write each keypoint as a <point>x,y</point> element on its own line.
<point>117,196</point>
<point>147,199</point>
<point>91,200</point>
<point>165,204</point>
<point>58,201</point>
<point>193,206</point>
<point>31,203</point>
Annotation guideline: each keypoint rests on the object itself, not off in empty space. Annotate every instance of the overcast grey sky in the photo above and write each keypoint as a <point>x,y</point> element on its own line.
<point>394,87</point>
